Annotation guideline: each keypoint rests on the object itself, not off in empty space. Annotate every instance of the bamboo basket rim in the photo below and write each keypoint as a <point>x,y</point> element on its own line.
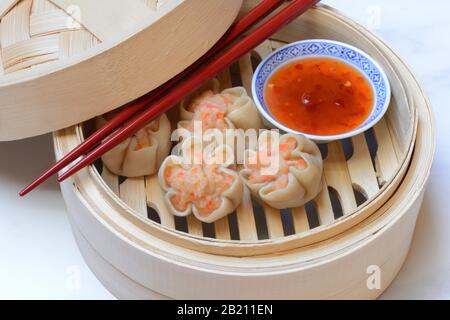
<point>374,225</point>
<point>88,174</point>
<point>260,247</point>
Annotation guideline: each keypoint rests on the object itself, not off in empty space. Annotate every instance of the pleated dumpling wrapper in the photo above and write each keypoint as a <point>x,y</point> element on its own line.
<point>201,181</point>
<point>143,153</point>
<point>285,171</point>
<point>228,109</point>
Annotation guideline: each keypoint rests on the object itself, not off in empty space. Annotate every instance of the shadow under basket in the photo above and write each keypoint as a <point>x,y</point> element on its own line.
<point>362,222</point>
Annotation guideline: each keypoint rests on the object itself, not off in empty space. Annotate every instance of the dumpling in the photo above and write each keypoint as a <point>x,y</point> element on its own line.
<point>230,109</point>
<point>242,110</point>
<point>285,171</point>
<point>201,181</point>
<point>143,153</point>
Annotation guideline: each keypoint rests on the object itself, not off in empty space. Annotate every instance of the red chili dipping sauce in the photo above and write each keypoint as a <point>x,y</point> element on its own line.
<point>319,96</point>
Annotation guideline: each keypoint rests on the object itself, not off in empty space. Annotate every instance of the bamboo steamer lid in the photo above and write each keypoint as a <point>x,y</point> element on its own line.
<point>65,61</point>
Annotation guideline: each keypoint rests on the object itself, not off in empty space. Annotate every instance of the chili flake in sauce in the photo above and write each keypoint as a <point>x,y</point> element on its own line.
<point>319,96</point>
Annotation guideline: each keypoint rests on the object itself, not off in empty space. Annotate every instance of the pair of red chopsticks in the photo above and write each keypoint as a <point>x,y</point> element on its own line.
<point>150,106</point>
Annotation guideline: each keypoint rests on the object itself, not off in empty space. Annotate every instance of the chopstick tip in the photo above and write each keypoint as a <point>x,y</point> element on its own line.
<point>24,192</point>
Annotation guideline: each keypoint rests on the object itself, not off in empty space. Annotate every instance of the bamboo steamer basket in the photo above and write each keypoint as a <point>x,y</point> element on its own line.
<point>65,61</point>
<point>365,215</point>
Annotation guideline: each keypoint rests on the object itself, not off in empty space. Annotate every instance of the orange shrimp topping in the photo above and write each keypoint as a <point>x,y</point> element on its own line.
<point>200,185</point>
<point>142,140</point>
<point>286,161</point>
<point>211,109</point>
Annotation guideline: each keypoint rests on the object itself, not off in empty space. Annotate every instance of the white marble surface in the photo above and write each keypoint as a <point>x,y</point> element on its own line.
<point>39,258</point>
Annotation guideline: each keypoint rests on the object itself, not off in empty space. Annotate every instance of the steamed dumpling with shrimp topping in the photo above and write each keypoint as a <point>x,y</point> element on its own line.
<point>143,153</point>
<point>200,181</point>
<point>228,109</point>
<point>285,171</point>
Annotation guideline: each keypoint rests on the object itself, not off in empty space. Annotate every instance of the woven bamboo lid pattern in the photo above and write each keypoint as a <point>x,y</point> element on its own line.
<point>37,32</point>
<point>63,62</point>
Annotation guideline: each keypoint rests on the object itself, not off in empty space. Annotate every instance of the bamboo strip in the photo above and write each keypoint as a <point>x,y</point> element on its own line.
<point>246,220</point>
<point>155,200</point>
<point>15,26</point>
<point>194,226</point>
<point>111,180</point>
<point>6,5</point>
<point>51,22</point>
<point>324,208</point>
<point>399,120</point>
<point>222,228</point>
<point>74,42</point>
<point>300,220</point>
<point>37,32</point>
<point>399,148</point>
<point>274,223</point>
<point>338,177</point>
<point>33,61</point>
<point>43,7</point>
<point>386,160</point>
<point>361,168</point>
<point>34,47</point>
<point>132,192</point>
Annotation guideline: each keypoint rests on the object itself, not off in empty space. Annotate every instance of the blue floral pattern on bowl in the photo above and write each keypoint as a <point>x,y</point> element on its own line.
<point>331,49</point>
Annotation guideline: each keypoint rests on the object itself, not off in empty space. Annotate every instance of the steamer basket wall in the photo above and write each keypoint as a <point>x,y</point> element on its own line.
<point>136,257</point>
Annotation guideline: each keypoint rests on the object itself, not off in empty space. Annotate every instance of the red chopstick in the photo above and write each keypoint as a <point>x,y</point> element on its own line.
<point>243,46</point>
<point>259,12</point>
